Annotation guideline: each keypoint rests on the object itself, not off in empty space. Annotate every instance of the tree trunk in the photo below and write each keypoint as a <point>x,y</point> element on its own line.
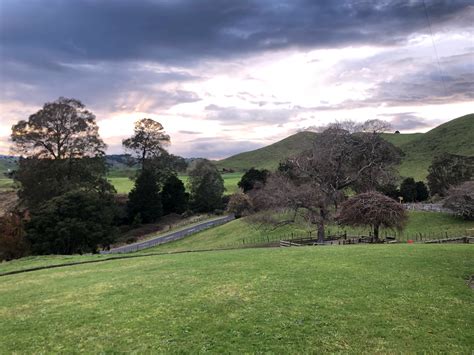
<point>376,232</point>
<point>321,231</point>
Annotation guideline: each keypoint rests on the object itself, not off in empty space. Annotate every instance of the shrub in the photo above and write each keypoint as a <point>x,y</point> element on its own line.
<point>240,205</point>
<point>461,200</point>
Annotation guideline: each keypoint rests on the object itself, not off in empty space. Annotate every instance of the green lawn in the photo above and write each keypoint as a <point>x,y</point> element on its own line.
<point>123,185</point>
<point>384,299</point>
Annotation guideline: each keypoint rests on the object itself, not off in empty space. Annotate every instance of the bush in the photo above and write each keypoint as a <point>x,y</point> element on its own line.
<point>13,244</point>
<point>461,200</point>
<point>240,205</point>
<point>76,222</point>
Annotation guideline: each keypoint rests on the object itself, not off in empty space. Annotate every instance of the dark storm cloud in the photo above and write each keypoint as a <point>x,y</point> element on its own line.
<point>44,33</point>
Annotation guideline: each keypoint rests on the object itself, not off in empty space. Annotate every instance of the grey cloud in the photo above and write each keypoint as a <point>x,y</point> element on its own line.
<point>238,116</point>
<point>213,147</point>
<point>407,121</point>
<point>189,30</point>
<point>189,132</point>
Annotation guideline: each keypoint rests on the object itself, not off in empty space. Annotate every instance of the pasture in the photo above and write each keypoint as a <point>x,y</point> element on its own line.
<point>239,233</point>
<point>401,298</point>
<point>123,185</point>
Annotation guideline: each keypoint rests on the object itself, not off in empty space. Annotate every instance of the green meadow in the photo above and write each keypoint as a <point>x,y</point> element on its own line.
<point>358,299</point>
<point>240,233</point>
<point>123,185</point>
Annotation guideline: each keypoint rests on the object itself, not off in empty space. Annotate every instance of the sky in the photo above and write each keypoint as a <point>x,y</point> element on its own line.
<point>226,76</point>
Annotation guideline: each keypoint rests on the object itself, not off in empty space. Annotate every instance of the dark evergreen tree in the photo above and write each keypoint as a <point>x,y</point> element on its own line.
<point>76,222</point>
<point>408,190</point>
<point>251,178</point>
<point>390,190</point>
<point>174,196</point>
<point>422,193</point>
<point>144,200</point>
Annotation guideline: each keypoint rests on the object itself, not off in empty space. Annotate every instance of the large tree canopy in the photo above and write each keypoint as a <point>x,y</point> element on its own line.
<point>148,140</point>
<point>61,129</point>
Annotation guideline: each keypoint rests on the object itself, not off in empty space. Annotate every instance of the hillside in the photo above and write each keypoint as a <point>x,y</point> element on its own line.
<point>268,157</point>
<point>455,136</point>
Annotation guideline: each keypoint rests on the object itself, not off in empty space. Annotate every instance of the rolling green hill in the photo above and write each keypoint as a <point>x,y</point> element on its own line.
<point>455,136</point>
<point>268,157</point>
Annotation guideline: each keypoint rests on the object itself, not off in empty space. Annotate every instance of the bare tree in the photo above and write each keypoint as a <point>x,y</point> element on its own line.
<point>461,200</point>
<point>373,209</point>
<point>292,198</point>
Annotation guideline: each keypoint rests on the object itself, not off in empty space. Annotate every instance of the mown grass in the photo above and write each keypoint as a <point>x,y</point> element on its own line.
<point>124,185</point>
<point>239,233</point>
<point>360,299</point>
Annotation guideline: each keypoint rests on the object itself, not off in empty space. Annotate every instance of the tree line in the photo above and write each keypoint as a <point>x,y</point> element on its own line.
<point>66,203</point>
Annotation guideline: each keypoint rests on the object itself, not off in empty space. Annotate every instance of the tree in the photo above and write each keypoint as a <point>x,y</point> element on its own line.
<point>76,222</point>
<point>62,151</point>
<point>148,140</point>
<point>390,190</point>
<point>251,178</point>
<point>174,196</point>
<point>206,186</point>
<point>240,205</point>
<point>61,129</point>
<point>42,179</point>
<point>294,198</point>
<point>341,159</point>
<point>13,244</point>
<point>373,209</point>
<point>408,190</point>
<point>461,200</point>
<point>144,201</point>
<point>422,193</point>
<point>449,170</point>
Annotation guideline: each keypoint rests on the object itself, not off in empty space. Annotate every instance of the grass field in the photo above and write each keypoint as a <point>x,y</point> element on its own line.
<point>240,233</point>
<point>123,185</point>
<point>403,298</point>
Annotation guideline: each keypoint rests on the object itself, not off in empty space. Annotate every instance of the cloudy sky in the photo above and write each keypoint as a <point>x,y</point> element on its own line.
<point>225,76</point>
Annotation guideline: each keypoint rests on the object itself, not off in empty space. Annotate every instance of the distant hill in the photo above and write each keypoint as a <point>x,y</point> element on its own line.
<point>268,157</point>
<point>455,136</point>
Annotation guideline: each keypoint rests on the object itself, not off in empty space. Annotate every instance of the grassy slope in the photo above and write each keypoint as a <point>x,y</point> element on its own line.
<point>405,298</point>
<point>237,233</point>
<point>455,136</point>
<point>269,157</point>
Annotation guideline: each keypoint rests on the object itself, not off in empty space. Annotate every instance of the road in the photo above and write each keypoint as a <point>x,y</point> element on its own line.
<point>169,237</point>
